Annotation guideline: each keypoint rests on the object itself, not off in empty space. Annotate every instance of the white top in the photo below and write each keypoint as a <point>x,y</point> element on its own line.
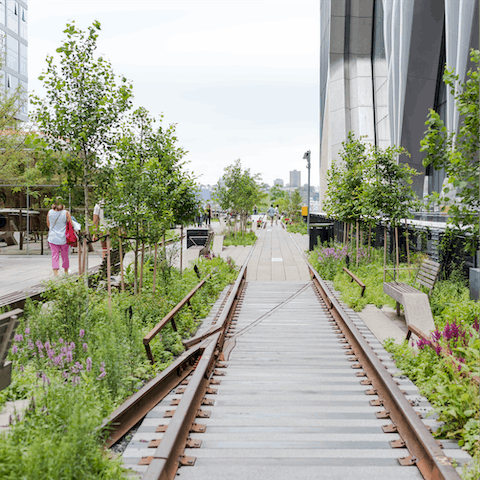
<point>58,225</point>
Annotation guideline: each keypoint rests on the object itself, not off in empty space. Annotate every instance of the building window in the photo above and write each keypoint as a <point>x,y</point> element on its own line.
<point>23,23</point>
<point>12,16</point>
<point>23,59</point>
<point>12,53</point>
<point>2,12</point>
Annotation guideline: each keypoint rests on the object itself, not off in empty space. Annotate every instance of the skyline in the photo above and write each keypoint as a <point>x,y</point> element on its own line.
<point>240,79</point>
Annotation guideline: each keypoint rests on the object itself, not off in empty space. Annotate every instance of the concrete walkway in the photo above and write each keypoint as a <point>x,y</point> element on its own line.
<point>276,257</point>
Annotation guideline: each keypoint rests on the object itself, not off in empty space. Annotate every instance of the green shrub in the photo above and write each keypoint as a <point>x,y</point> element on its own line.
<point>239,238</point>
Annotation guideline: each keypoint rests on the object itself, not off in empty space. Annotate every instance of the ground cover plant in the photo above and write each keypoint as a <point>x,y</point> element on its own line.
<point>239,238</point>
<point>297,227</point>
<point>76,360</point>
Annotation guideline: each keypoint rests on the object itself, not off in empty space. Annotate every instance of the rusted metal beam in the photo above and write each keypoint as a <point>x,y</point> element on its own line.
<point>424,450</point>
<point>166,458</point>
<point>139,404</point>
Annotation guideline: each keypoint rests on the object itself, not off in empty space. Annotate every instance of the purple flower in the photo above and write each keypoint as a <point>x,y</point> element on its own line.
<point>82,333</point>
<point>18,338</point>
<point>69,356</point>
<point>50,353</point>
<point>101,375</point>
<point>475,324</point>
<point>76,380</point>
<point>22,368</point>
<point>85,347</point>
<point>436,335</point>
<point>89,364</point>
<point>14,349</point>
<point>72,346</point>
<point>60,340</point>
<point>438,349</point>
<point>47,345</point>
<point>27,331</point>
<point>39,344</point>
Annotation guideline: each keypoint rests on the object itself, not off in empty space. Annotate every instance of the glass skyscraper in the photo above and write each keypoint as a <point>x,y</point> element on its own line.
<point>381,69</point>
<point>14,48</point>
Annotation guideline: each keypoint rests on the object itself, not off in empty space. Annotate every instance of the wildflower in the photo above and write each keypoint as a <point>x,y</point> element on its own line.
<point>39,344</point>
<point>438,349</point>
<point>22,368</point>
<point>27,331</point>
<point>50,353</point>
<point>82,333</point>
<point>18,338</point>
<point>101,375</point>
<point>85,347</point>
<point>14,349</point>
<point>72,346</point>
<point>60,340</point>
<point>89,364</point>
<point>76,380</point>
<point>436,335</point>
<point>47,345</point>
<point>69,356</point>
<point>475,325</point>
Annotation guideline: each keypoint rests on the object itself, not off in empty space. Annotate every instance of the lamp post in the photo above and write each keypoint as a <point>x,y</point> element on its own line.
<point>306,157</point>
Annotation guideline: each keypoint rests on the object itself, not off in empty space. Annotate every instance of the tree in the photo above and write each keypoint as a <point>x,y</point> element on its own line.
<point>82,109</point>
<point>145,189</point>
<point>458,154</point>
<point>238,191</point>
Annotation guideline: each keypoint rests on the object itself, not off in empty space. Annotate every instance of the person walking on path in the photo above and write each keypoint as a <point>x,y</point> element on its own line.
<point>208,214</point>
<point>99,225</point>
<point>271,213</point>
<point>277,214</point>
<point>57,218</point>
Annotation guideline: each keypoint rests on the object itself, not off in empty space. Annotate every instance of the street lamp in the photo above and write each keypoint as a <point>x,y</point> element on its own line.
<point>306,157</point>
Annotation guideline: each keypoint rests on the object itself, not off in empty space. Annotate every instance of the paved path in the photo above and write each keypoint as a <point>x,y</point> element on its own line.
<point>276,257</point>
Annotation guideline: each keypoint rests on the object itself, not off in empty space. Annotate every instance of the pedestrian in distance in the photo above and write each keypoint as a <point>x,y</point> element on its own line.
<point>255,209</point>
<point>277,215</point>
<point>208,214</point>
<point>271,213</point>
<point>57,218</point>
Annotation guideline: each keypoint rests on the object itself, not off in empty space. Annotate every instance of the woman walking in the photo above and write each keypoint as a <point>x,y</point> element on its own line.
<point>57,219</point>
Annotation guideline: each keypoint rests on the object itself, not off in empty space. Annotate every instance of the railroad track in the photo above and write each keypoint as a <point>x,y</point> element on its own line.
<point>313,400</point>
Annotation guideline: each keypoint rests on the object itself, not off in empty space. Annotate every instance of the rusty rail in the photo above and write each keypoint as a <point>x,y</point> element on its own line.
<point>445,353</point>
<point>424,451</point>
<point>170,318</point>
<point>164,463</point>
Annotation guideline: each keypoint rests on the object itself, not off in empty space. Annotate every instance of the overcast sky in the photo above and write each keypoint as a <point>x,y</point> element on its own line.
<point>239,78</point>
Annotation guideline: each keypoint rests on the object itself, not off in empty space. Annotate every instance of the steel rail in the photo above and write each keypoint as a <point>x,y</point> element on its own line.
<point>139,404</point>
<point>165,461</point>
<point>168,455</point>
<point>424,451</point>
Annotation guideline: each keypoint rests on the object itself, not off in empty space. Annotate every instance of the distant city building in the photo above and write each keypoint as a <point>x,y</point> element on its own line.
<point>295,178</point>
<point>278,181</point>
<point>14,46</point>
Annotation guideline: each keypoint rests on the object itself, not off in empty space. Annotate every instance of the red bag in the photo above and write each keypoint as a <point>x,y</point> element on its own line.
<point>71,235</point>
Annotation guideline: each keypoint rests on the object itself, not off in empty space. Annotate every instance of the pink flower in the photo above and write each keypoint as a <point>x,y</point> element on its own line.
<point>85,347</point>
<point>89,364</point>
<point>101,375</point>
<point>82,333</point>
<point>14,349</point>
<point>27,331</point>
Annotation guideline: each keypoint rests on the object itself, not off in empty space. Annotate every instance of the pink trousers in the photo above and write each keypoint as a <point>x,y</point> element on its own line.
<point>58,250</point>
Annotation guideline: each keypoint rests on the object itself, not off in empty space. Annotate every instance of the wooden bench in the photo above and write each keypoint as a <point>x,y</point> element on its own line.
<point>8,325</point>
<point>426,275</point>
<point>354,277</point>
<point>415,303</point>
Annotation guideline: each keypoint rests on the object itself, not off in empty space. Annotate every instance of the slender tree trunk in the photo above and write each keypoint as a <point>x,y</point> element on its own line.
<point>181,249</point>
<point>135,275</point>
<point>87,229</point>
<point>369,237</point>
<point>109,275</point>
<point>345,239</point>
<point>84,258</point>
<point>155,269</point>
<point>141,268</point>
<point>357,242</point>
<point>396,250</point>
<point>407,239</point>
<point>384,253</point>
<point>79,257</point>
<point>120,246</point>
